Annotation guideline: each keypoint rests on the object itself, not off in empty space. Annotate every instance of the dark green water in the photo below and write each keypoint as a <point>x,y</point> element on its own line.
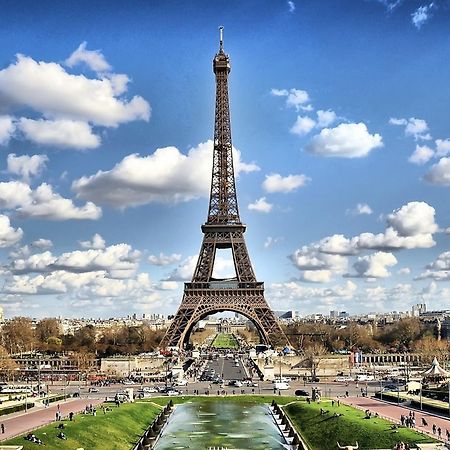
<point>236,426</point>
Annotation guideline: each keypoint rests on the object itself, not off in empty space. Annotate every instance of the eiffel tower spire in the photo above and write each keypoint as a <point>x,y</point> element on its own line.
<point>206,295</point>
<point>223,205</point>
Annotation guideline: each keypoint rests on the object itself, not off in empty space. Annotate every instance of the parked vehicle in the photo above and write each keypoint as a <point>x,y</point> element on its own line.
<point>281,386</point>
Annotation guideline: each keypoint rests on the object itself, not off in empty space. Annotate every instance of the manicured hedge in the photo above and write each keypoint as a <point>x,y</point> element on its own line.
<point>15,408</point>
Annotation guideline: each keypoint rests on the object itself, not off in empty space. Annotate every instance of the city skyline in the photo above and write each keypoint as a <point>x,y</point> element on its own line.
<point>342,153</point>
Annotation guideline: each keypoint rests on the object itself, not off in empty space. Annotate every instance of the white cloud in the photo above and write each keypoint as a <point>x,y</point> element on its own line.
<point>7,127</point>
<point>223,268</point>
<point>295,98</point>
<point>271,241</point>
<point>164,260</point>
<point>439,173</point>
<point>165,176</point>
<point>42,244</point>
<point>422,154</point>
<point>59,133</point>
<point>404,271</point>
<point>276,183</point>
<point>47,88</point>
<point>325,118</point>
<point>439,269</point>
<point>26,166</point>
<point>43,203</point>
<point>118,261</point>
<point>291,6</point>
<point>421,15</point>
<point>442,147</point>
<point>303,125</point>
<point>360,209</point>
<point>375,265</point>
<point>316,266</point>
<point>416,128</point>
<point>94,59</point>
<point>261,205</point>
<point>8,235</point>
<point>96,243</point>
<point>347,140</point>
<point>413,219</point>
<point>337,244</point>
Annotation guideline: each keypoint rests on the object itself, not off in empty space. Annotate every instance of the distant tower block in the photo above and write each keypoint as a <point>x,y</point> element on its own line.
<point>206,295</point>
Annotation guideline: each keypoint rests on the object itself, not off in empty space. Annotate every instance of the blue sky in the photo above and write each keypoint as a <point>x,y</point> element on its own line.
<point>342,152</point>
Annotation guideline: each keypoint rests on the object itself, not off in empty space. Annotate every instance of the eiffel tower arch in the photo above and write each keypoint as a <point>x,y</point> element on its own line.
<point>243,294</point>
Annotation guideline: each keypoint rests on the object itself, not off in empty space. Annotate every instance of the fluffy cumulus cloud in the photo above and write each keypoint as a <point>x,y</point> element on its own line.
<point>223,268</point>
<point>8,234</point>
<point>277,183</point>
<point>74,134</point>
<point>316,266</point>
<point>442,147</point>
<point>118,261</point>
<point>438,270</point>
<point>42,244</point>
<point>165,176</point>
<point>298,296</point>
<point>439,173</point>
<point>26,166</point>
<point>94,59</point>
<point>416,128</point>
<point>295,98</point>
<point>43,203</point>
<point>360,209</point>
<point>96,243</point>
<point>421,155</point>
<point>261,205</point>
<point>7,127</point>
<point>347,140</point>
<point>164,260</point>
<point>374,265</point>
<point>69,104</point>
<point>411,226</point>
<point>303,125</point>
<point>325,118</point>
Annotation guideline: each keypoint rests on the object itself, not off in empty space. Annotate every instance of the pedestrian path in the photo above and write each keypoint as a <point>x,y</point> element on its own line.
<point>394,412</point>
<point>20,423</point>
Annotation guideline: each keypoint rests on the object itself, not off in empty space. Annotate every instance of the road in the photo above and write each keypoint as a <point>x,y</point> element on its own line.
<point>20,423</point>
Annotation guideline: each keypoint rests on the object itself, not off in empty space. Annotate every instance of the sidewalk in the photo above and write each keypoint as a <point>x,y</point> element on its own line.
<point>19,423</point>
<point>393,412</point>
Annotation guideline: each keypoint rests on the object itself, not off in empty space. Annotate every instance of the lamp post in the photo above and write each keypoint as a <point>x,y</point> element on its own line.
<point>421,385</point>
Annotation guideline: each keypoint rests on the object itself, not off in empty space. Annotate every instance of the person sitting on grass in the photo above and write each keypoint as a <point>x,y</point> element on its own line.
<point>61,426</point>
<point>62,436</point>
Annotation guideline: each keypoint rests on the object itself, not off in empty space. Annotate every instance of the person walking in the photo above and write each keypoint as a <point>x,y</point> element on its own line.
<point>2,427</point>
<point>434,428</point>
<point>439,432</point>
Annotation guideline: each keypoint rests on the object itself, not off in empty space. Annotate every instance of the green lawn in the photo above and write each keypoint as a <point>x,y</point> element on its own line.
<point>118,429</point>
<point>321,432</point>
<point>225,340</point>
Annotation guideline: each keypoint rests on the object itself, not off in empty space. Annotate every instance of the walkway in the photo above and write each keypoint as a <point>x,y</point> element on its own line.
<point>393,412</point>
<point>20,423</point>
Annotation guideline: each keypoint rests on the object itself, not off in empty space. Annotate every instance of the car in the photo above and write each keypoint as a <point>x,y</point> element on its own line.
<point>281,386</point>
<point>93,390</point>
<point>149,389</point>
<point>172,393</point>
<point>301,393</point>
<point>182,382</point>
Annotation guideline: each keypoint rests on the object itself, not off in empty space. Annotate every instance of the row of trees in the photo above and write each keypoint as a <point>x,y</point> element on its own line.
<point>406,335</point>
<point>20,335</point>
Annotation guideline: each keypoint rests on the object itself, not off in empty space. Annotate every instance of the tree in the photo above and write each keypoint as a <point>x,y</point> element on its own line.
<point>7,364</point>
<point>47,328</point>
<point>18,335</point>
<point>429,347</point>
<point>314,353</point>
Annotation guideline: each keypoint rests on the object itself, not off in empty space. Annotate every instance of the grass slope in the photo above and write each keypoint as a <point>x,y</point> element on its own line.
<point>118,429</point>
<point>225,340</point>
<point>321,432</point>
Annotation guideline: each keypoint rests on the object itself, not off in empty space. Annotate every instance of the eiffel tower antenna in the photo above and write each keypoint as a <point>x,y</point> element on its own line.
<point>223,229</point>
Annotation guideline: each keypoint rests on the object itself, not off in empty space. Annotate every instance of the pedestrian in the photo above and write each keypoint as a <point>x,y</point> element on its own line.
<point>338,402</point>
<point>439,432</point>
<point>424,422</point>
<point>434,428</point>
<point>71,416</point>
<point>2,427</point>
<point>332,402</point>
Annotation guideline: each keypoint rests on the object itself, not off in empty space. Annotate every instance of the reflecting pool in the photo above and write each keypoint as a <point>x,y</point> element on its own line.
<point>221,423</point>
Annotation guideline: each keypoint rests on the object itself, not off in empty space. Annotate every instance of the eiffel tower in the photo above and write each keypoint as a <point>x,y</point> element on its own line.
<point>206,295</point>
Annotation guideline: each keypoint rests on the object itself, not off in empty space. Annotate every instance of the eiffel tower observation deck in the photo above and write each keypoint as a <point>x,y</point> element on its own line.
<point>243,294</point>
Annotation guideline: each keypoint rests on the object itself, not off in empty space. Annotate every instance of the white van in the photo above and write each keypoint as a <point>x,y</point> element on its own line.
<point>281,385</point>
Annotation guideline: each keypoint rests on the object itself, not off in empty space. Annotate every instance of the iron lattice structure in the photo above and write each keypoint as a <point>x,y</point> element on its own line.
<point>206,295</point>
